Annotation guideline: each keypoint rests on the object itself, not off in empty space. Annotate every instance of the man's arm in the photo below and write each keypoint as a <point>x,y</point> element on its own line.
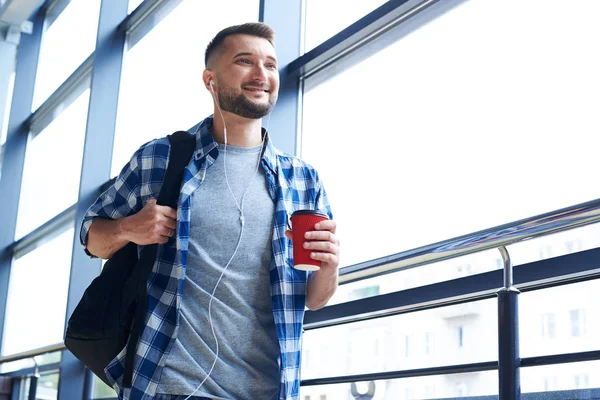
<point>325,247</point>
<point>152,224</point>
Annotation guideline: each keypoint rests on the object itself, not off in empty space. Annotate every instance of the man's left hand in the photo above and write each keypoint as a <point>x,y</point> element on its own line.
<point>323,244</point>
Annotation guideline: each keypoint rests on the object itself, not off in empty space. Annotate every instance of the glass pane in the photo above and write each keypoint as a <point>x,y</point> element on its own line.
<point>458,334</point>
<point>53,168</point>
<point>325,18</point>
<point>102,390</point>
<point>556,245</point>
<point>560,319</point>
<point>451,135</point>
<point>6,115</point>
<point>5,118</point>
<point>455,268</point>
<point>162,89</point>
<point>133,5</point>
<point>47,387</point>
<point>66,43</point>
<point>37,296</point>
<point>418,388</point>
<point>582,375</point>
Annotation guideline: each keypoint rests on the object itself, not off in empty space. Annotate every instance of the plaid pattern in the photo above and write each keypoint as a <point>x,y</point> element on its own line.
<point>293,185</point>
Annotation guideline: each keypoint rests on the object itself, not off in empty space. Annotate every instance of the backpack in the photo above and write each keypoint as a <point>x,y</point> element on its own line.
<point>112,310</point>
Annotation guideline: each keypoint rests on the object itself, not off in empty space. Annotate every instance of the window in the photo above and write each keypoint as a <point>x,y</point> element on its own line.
<point>428,343</point>
<point>550,383</point>
<point>573,246</point>
<point>319,26</point>
<point>545,252</point>
<point>53,168</point>
<point>460,334</point>
<point>37,296</point>
<point>411,118</point>
<point>69,38</point>
<point>577,318</point>
<point>161,88</point>
<point>133,5</point>
<point>582,381</point>
<point>363,293</point>
<point>462,389</point>
<point>323,397</point>
<point>408,344</point>
<point>548,326</point>
<point>464,270</point>
<point>430,391</point>
<point>5,117</point>
<point>499,263</point>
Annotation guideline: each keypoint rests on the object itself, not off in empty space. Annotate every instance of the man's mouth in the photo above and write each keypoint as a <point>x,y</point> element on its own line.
<point>256,89</point>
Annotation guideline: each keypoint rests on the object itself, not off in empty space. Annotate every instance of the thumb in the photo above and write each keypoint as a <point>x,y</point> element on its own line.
<point>288,234</point>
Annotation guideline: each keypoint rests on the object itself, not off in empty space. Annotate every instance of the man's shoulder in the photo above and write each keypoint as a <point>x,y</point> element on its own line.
<point>295,168</point>
<point>158,147</point>
<point>287,161</point>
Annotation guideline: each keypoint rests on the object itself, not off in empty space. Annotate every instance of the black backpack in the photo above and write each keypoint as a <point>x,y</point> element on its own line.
<point>107,314</point>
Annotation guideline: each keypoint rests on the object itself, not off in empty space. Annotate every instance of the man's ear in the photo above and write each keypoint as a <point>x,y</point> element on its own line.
<point>207,76</point>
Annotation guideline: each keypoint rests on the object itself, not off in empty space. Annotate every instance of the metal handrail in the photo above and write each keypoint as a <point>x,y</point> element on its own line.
<point>33,353</point>
<point>496,237</point>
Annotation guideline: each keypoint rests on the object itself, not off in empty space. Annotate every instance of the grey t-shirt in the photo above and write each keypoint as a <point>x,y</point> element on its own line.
<point>242,316</point>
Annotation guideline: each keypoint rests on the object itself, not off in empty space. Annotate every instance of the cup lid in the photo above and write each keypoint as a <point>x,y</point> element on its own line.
<point>309,212</point>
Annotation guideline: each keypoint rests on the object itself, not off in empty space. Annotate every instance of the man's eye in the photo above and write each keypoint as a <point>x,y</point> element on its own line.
<point>272,66</point>
<point>244,60</point>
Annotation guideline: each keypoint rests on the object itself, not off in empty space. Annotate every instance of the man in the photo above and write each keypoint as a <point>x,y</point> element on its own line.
<point>225,261</point>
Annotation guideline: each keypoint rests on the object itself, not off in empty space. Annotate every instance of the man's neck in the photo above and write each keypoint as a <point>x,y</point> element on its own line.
<point>241,132</point>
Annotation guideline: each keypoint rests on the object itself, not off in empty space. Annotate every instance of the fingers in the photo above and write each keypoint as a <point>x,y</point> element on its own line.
<point>169,232</point>
<point>168,212</point>
<point>326,225</point>
<point>327,247</point>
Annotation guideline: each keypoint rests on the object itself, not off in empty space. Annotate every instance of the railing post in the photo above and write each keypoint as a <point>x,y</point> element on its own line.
<point>509,361</point>
<point>33,381</point>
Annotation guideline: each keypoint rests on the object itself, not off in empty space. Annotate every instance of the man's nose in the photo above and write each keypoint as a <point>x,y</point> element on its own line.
<point>259,73</point>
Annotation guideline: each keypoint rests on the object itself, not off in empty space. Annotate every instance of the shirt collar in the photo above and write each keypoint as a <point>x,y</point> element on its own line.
<point>205,143</point>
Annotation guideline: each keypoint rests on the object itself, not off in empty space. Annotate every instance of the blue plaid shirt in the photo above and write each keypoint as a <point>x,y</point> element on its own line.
<point>293,185</point>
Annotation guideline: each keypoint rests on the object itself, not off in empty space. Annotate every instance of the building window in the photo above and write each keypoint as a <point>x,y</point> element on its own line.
<point>577,322</point>
<point>363,293</point>
<point>462,389</point>
<point>408,345</point>
<point>573,246</point>
<point>545,252</point>
<point>429,391</point>
<point>428,343</point>
<point>464,270</point>
<point>323,397</point>
<point>550,383</point>
<point>548,326</point>
<point>499,263</point>
<point>582,381</point>
<point>460,336</point>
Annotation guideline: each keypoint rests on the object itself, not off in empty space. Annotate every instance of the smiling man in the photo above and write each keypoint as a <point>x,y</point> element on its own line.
<point>225,305</point>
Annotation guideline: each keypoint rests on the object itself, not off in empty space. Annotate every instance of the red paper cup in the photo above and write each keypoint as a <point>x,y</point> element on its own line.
<point>304,221</point>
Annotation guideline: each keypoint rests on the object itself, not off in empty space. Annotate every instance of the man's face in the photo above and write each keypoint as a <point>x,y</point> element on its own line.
<point>247,76</point>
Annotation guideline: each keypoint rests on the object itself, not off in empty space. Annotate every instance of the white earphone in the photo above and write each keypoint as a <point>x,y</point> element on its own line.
<point>212,84</point>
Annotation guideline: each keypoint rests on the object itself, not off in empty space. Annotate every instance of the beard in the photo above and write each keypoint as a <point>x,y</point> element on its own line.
<point>240,105</point>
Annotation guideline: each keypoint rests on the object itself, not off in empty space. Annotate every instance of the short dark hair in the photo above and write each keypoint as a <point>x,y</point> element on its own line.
<point>257,29</point>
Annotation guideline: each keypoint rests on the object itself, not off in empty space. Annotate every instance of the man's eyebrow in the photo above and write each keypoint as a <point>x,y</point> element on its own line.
<point>246,53</point>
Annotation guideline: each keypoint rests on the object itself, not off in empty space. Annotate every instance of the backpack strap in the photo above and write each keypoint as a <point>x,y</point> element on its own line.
<point>183,145</point>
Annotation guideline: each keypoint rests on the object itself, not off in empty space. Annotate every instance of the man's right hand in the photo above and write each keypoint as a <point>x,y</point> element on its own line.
<point>152,224</point>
